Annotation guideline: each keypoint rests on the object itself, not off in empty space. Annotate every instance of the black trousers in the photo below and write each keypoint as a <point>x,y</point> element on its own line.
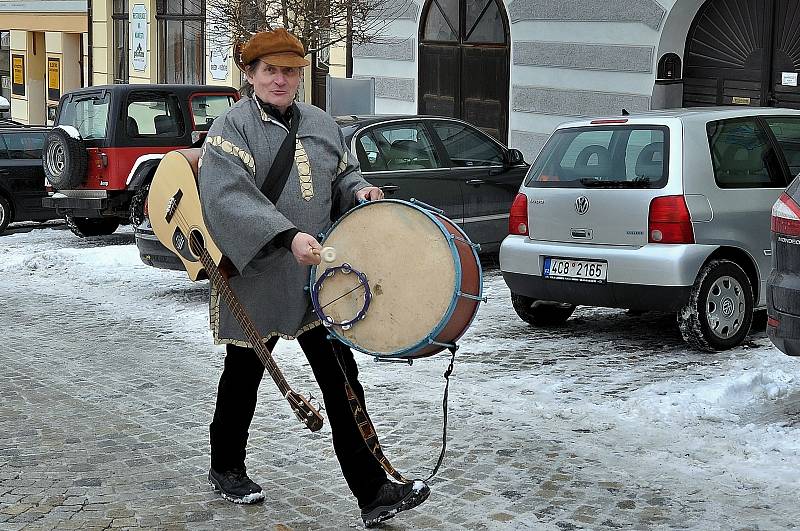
<point>236,404</point>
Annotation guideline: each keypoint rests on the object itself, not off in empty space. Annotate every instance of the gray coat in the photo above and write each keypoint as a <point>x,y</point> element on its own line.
<point>237,154</point>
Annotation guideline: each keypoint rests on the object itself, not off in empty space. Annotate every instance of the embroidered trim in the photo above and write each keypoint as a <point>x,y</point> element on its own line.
<point>202,154</point>
<point>264,116</point>
<point>214,325</point>
<point>304,171</point>
<point>227,147</point>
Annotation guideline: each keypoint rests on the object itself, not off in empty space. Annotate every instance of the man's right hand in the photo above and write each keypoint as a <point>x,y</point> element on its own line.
<point>303,247</point>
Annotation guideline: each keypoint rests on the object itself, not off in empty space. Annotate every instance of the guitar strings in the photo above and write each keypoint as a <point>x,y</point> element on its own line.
<point>269,364</point>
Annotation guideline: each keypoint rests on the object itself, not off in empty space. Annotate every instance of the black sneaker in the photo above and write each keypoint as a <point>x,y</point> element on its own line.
<point>393,498</point>
<point>235,486</point>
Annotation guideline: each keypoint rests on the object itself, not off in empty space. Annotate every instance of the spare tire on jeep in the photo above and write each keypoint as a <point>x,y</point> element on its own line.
<point>65,159</point>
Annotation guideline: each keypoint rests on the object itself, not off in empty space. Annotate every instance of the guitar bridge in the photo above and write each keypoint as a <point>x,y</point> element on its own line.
<point>172,205</point>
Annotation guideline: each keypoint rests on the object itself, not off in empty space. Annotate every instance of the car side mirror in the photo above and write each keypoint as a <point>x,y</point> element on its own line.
<point>514,157</point>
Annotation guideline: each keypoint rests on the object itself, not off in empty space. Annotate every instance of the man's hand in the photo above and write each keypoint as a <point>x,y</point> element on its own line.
<point>370,193</point>
<point>303,247</point>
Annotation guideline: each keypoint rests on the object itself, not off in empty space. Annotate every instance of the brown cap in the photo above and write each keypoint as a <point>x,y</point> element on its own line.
<point>278,48</point>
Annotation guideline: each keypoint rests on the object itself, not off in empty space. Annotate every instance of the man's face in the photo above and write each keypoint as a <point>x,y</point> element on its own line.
<point>275,84</point>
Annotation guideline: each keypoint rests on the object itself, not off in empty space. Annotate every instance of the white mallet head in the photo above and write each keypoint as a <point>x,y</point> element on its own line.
<point>328,254</point>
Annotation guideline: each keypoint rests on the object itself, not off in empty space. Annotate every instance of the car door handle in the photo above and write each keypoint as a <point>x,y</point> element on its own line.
<point>475,182</point>
<point>390,188</point>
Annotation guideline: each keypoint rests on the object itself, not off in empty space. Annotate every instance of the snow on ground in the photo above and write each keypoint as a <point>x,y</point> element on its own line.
<point>623,388</point>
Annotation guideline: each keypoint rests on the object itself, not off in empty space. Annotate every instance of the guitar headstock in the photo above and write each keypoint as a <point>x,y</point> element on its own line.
<point>304,411</point>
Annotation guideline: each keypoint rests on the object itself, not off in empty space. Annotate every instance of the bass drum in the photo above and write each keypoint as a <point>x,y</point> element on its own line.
<point>406,277</point>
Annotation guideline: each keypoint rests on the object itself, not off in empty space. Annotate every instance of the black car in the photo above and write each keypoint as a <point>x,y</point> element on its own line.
<point>783,283</point>
<point>22,180</point>
<point>444,162</point>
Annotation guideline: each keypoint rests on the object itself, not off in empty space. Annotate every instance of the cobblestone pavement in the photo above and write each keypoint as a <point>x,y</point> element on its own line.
<point>105,402</point>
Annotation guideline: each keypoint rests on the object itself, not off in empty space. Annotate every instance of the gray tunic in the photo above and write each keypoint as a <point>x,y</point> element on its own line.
<point>237,155</point>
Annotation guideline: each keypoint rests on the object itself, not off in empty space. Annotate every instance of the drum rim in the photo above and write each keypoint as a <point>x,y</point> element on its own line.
<point>405,353</point>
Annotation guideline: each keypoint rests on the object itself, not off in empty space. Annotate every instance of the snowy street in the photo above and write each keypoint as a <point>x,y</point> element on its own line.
<point>109,378</point>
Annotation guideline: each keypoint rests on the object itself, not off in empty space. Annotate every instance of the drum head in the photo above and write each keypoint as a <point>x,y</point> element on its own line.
<point>411,270</point>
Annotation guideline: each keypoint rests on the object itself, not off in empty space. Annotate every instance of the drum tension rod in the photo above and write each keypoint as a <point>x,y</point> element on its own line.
<point>409,361</point>
<point>475,246</point>
<point>451,346</point>
<point>472,297</point>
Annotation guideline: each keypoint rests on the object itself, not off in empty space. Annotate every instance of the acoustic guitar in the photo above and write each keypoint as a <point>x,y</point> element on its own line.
<point>177,220</point>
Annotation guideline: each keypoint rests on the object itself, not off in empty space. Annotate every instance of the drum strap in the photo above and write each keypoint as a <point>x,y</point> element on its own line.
<point>367,429</point>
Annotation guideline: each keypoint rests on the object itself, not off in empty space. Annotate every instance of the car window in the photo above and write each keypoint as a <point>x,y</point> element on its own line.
<point>3,151</point>
<point>206,108</point>
<point>369,154</point>
<point>24,145</point>
<point>405,146</point>
<point>742,156</point>
<point>152,114</point>
<point>88,115</point>
<point>603,157</point>
<point>787,133</point>
<point>466,147</point>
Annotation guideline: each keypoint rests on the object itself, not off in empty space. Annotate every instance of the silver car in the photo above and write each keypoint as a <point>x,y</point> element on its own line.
<point>667,210</point>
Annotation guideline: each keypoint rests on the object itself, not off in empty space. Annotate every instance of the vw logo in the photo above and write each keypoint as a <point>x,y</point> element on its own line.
<point>582,205</point>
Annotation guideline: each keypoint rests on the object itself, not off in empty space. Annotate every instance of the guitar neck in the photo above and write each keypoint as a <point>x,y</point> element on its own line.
<point>224,289</point>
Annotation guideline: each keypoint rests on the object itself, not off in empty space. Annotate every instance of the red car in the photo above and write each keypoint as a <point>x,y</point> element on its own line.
<point>102,154</point>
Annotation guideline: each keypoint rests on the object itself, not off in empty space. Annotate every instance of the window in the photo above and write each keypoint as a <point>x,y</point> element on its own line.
<point>24,145</point>
<point>121,24</point>
<point>442,21</point>
<point>151,114</point>
<point>369,155</point>
<point>5,62</point>
<point>181,29</point>
<point>597,157</point>
<point>88,115</point>
<point>206,108</point>
<point>742,155</point>
<point>403,146</point>
<point>787,132</point>
<point>3,151</point>
<point>466,147</point>
<point>484,23</point>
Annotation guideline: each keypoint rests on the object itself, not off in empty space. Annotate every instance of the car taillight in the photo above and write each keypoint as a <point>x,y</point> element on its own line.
<point>669,221</point>
<point>518,219</point>
<point>785,216</point>
<point>774,323</point>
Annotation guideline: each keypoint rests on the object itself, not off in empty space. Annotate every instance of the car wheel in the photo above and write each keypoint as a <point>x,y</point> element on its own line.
<point>83,227</point>
<point>138,201</point>
<point>64,159</point>
<point>5,213</point>
<point>720,308</point>
<point>541,313</point>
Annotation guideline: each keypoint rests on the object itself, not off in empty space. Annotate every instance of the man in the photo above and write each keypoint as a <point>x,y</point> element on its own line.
<point>272,245</point>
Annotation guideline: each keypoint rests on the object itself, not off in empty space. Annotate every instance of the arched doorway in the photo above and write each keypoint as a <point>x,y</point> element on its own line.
<point>737,52</point>
<point>464,62</point>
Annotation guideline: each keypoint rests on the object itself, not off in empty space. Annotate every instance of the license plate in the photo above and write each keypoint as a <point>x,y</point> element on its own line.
<point>569,269</point>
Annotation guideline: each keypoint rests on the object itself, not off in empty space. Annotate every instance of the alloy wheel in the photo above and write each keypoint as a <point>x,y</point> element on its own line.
<point>725,307</point>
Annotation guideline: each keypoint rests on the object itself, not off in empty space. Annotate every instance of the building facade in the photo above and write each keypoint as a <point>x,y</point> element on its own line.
<point>50,47</point>
<point>175,41</point>
<point>46,54</point>
<point>518,68</point>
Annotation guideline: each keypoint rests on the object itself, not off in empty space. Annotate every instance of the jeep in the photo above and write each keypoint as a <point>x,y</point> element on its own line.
<point>107,141</point>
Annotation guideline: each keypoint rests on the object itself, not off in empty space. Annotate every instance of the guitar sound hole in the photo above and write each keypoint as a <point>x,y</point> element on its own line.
<point>196,243</point>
